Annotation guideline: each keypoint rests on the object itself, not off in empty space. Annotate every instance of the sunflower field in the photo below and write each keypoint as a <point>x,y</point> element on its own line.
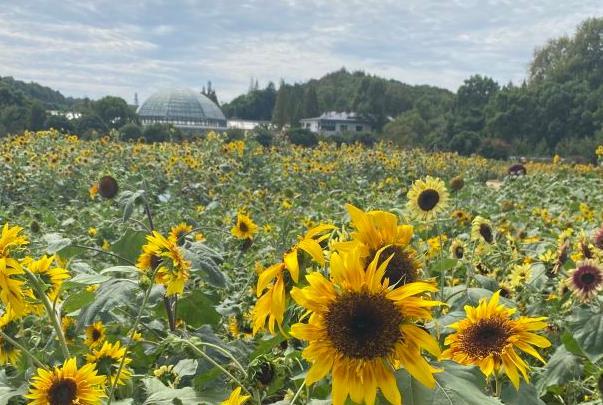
<point>223,271</point>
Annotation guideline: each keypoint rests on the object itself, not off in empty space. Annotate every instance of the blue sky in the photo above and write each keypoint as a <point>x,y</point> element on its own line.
<point>100,47</point>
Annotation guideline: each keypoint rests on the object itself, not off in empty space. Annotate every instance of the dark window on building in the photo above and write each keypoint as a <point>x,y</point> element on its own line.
<point>358,128</point>
<point>343,127</point>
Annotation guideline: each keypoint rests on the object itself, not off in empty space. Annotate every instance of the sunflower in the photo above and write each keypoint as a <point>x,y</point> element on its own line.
<point>481,230</point>
<point>108,187</point>
<point>236,398</point>
<point>10,239</point>
<point>426,198</point>
<point>245,228</point>
<point>520,275</point>
<point>598,238</point>
<point>178,232</point>
<point>271,304</point>
<point>167,375</point>
<point>67,385</point>
<point>11,291</point>
<point>93,191</point>
<point>107,360</point>
<point>457,249</point>
<point>360,329</point>
<point>8,352</point>
<point>488,336</point>
<point>69,328</point>
<point>586,280</point>
<point>460,216</point>
<point>52,277</point>
<point>163,254</point>
<point>95,334</point>
<point>376,230</point>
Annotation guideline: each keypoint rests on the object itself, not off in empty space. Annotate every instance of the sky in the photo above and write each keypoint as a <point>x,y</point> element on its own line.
<point>101,47</point>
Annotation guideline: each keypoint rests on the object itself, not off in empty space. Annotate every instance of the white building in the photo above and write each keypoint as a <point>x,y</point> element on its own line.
<point>70,115</point>
<point>332,122</point>
<point>246,124</point>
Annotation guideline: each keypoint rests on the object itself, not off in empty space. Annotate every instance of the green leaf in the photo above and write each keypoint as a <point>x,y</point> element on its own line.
<point>7,391</point>
<point>456,385</point>
<point>570,344</point>
<point>128,201</point>
<point>77,301</point>
<point>443,265</point>
<point>527,395</point>
<point>87,279</point>
<point>206,260</point>
<point>129,245</point>
<point>160,394</point>
<point>129,270</point>
<point>587,328</point>
<point>109,295</point>
<point>186,367</point>
<point>562,367</point>
<point>197,310</point>
<point>55,242</point>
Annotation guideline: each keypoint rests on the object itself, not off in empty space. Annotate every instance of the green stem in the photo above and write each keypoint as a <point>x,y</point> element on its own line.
<point>23,349</point>
<point>52,314</point>
<point>216,364</point>
<point>106,253</point>
<point>132,332</point>
<point>226,353</point>
<point>497,386</point>
<point>301,387</point>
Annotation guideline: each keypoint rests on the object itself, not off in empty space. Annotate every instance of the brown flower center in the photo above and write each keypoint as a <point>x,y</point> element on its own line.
<point>96,334</point>
<point>63,392</point>
<point>428,199</point>
<point>107,187</point>
<point>363,325</point>
<point>243,227</point>
<point>402,268</point>
<point>587,278</point>
<point>486,231</point>
<point>487,336</point>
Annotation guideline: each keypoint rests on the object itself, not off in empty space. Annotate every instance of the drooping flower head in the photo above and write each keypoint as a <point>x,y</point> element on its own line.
<point>67,384</point>
<point>360,329</point>
<point>426,198</point>
<point>52,276</point>
<point>488,338</point>
<point>586,280</point>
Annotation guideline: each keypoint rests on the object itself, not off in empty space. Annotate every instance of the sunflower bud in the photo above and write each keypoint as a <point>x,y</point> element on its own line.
<point>144,282</point>
<point>457,183</point>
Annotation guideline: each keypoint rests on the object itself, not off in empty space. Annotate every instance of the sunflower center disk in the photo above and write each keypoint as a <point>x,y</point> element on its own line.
<point>62,392</point>
<point>96,334</point>
<point>489,336</point>
<point>486,232</point>
<point>428,199</point>
<point>243,227</point>
<point>362,325</point>
<point>402,268</point>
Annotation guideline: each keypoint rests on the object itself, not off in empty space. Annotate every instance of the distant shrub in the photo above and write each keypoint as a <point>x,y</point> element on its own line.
<point>161,133</point>
<point>130,132</point>
<point>234,134</point>
<point>494,148</point>
<point>302,137</point>
<point>263,136</point>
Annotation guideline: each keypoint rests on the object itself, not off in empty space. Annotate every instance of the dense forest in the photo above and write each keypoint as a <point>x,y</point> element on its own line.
<point>557,109</point>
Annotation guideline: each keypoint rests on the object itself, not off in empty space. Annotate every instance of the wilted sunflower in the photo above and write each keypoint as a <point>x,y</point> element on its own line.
<point>67,385</point>
<point>457,249</point>
<point>376,230</point>
<point>164,255</point>
<point>107,360</point>
<point>586,280</point>
<point>107,187</point>
<point>178,232</point>
<point>236,398</point>
<point>481,230</point>
<point>361,330</point>
<point>95,334</point>
<point>489,336</point>
<point>245,228</point>
<point>426,198</point>
<point>461,217</point>
<point>52,277</point>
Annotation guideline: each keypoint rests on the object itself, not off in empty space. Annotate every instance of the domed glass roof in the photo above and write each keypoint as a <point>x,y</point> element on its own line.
<point>180,105</point>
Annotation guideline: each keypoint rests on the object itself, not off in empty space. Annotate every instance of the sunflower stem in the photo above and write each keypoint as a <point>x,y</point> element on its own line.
<point>106,253</point>
<point>215,363</point>
<point>297,394</point>
<point>145,298</point>
<point>52,314</point>
<point>226,353</point>
<point>23,349</point>
<point>497,386</point>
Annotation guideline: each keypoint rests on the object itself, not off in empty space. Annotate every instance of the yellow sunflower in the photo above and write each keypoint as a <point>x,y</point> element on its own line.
<point>69,328</point>
<point>236,398</point>
<point>10,239</point>
<point>167,375</point>
<point>586,280</point>
<point>245,228</point>
<point>520,275</point>
<point>270,305</point>
<point>12,294</point>
<point>457,249</point>
<point>172,269</point>
<point>95,334</point>
<point>67,385</point>
<point>52,277</point>
<point>426,198</point>
<point>481,230</point>
<point>178,232</point>
<point>106,361</point>
<point>489,336</point>
<point>360,330</point>
<point>376,230</point>
<point>8,352</point>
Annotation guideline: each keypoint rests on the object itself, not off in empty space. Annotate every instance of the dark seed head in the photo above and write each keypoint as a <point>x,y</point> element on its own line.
<point>63,392</point>
<point>485,231</point>
<point>402,268</point>
<point>517,170</point>
<point>488,336</point>
<point>107,187</point>
<point>428,199</point>
<point>363,325</point>
<point>457,183</point>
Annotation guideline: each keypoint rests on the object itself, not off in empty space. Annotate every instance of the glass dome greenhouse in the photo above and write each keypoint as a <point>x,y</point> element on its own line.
<point>182,108</point>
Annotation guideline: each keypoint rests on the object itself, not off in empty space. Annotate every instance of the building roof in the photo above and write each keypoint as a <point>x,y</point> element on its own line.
<point>180,105</point>
<point>337,116</point>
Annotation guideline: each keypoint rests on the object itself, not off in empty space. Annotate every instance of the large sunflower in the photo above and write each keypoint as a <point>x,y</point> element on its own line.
<point>245,228</point>
<point>67,385</point>
<point>376,230</point>
<point>586,280</point>
<point>236,398</point>
<point>489,336</point>
<point>107,360</point>
<point>52,277</point>
<point>426,198</point>
<point>172,269</point>
<point>361,330</point>
<point>12,294</point>
<point>10,238</point>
